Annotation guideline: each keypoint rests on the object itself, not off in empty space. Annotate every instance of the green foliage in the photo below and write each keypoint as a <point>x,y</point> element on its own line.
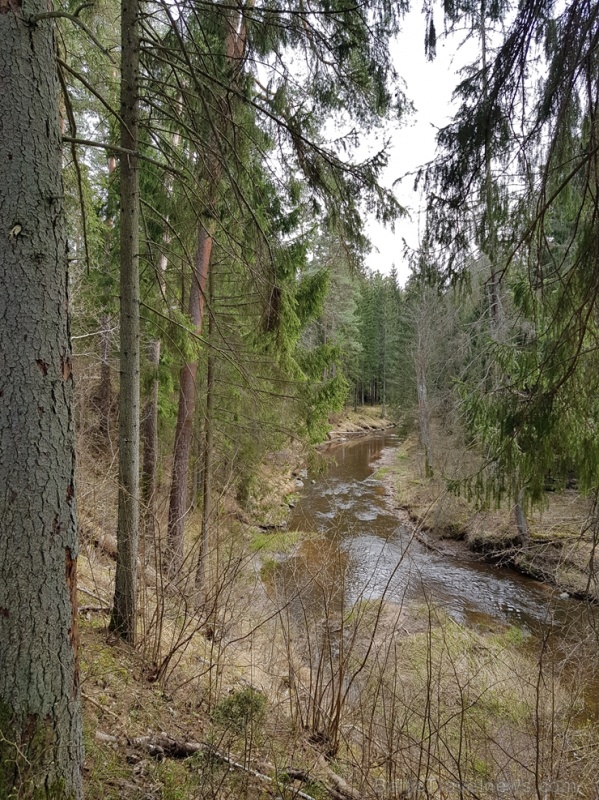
<point>245,707</point>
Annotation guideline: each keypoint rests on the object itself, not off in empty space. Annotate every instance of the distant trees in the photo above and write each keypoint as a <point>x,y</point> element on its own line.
<point>514,186</point>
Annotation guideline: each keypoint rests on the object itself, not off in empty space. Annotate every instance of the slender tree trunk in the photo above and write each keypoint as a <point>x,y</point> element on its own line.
<point>206,577</point>
<point>150,448</point>
<point>104,395</point>
<point>490,245</point>
<point>384,386</point>
<point>178,505</point>
<point>198,456</point>
<point>521,521</point>
<point>421,387</point>
<point>149,431</point>
<point>40,716</point>
<point>187,396</point>
<point>423,417</point>
<point>124,611</point>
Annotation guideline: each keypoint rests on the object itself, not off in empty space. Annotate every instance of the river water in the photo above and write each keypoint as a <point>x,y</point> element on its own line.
<point>364,548</point>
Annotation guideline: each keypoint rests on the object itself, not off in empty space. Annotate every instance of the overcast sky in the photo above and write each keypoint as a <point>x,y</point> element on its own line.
<point>429,86</point>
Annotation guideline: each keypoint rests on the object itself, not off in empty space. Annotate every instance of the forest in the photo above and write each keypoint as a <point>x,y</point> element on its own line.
<point>196,601</point>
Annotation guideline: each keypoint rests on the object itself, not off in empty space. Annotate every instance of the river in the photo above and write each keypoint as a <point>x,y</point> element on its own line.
<point>361,543</point>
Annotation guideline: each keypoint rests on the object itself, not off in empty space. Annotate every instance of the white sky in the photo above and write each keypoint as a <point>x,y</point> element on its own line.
<point>429,86</point>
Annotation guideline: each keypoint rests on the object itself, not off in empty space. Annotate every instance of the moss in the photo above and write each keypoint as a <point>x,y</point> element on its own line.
<point>381,472</point>
<point>26,759</point>
<point>274,542</point>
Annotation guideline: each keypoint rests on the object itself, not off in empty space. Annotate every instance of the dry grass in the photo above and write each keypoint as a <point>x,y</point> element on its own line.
<point>561,548</point>
<point>435,705</point>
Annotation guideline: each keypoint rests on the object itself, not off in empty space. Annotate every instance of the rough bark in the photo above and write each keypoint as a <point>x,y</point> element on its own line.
<point>40,717</point>
<point>187,397</point>
<point>125,594</point>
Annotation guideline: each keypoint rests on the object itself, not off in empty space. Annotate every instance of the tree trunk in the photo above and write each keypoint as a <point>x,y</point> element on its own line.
<point>421,388</point>
<point>150,448</point>
<point>178,505</point>
<point>104,394</point>
<point>124,612</point>
<point>491,243</point>
<point>208,558</point>
<point>384,383</point>
<point>197,481</point>
<point>521,521</point>
<point>423,418</point>
<point>40,716</point>
<point>187,396</point>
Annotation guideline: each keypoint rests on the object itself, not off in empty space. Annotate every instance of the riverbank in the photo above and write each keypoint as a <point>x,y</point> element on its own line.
<point>282,475</point>
<point>560,550</point>
<point>279,697</point>
<point>348,423</point>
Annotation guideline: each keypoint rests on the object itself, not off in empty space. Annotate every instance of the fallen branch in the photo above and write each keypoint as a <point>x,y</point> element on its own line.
<point>94,609</point>
<point>90,594</point>
<point>161,745</point>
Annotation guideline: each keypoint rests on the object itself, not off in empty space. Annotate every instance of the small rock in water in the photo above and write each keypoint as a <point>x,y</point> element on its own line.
<point>564,596</point>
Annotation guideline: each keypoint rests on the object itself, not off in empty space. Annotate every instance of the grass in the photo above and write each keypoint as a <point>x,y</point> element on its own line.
<point>559,550</point>
<point>435,699</point>
<point>279,542</point>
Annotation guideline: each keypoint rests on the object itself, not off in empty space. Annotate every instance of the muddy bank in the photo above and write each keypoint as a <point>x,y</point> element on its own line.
<point>561,546</point>
<point>349,424</point>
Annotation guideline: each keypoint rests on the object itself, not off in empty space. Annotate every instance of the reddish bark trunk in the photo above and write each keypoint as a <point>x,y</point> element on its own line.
<point>187,398</point>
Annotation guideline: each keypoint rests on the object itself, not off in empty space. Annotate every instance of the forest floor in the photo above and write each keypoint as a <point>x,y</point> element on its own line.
<point>264,698</point>
<point>198,710</point>
<point>562,531</point>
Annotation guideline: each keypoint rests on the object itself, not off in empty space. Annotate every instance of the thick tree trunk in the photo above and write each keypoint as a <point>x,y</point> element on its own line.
<point>187,397</point>
<point>124,612</point>
<point>40,717</point>
<point>150,448</point>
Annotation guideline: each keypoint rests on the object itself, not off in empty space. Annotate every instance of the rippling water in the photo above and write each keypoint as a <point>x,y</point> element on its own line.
<point>369,550</point>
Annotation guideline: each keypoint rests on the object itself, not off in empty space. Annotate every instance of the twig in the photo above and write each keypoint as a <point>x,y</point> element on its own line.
<point>90,594</point>
<point>102,708</point>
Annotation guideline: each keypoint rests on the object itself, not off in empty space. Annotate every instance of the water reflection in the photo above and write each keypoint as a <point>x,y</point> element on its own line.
<point>366,551</point>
